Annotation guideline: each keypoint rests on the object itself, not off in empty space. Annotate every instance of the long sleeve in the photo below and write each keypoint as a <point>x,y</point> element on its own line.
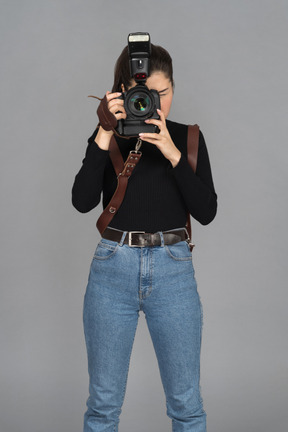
<point>88,183</point>
<point>197,188</point>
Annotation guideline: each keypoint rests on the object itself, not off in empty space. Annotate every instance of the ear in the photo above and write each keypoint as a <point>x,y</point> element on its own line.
<point>122,88</point>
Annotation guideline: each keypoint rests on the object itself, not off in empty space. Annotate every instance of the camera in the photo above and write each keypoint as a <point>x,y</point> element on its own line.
<point>140,103</point>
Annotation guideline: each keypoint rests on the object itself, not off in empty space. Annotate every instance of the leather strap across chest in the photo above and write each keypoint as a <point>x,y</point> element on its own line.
<point>192,156</point>
<point>123,172</point>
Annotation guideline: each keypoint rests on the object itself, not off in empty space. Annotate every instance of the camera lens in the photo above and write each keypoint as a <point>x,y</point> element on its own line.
<point>140,103</point>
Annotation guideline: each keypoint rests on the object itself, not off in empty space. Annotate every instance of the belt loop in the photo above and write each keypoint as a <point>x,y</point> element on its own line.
<point>123,238</point>
<point>162,238</point>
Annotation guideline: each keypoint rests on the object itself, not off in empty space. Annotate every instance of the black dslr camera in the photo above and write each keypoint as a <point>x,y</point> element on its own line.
<point>140,103</point>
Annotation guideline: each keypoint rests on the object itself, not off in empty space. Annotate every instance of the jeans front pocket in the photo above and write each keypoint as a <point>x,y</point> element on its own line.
<point>179,251</point>
<point>105,250</point>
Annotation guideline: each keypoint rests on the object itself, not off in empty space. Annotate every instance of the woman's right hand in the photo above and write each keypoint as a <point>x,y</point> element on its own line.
<point>116,107</point>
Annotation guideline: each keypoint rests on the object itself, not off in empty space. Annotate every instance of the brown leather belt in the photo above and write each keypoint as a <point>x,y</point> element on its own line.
<point>143,239</point>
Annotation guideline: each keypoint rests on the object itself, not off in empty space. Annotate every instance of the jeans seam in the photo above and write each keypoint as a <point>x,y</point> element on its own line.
<point>151,270</point>
<point>141,268</point>
<point>200,399</point>
<point>127,370</point>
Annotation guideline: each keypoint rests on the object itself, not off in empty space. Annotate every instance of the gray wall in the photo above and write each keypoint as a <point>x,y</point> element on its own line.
<point>230,61</point>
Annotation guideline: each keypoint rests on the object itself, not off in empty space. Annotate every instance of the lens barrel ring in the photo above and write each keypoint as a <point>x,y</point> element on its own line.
<point>139,102</point>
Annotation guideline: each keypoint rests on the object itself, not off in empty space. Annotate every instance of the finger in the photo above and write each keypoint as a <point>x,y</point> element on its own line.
<point>115,105</point>
<point>116,108</point>
<point>115,102</point>
<point>120,116</point>
<point>162,116</point>
<point>110,96</point>
<point>147,135</point>
<point>155,122</point>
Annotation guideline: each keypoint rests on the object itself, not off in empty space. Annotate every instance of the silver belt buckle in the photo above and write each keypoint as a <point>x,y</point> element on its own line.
<point>130,237</point>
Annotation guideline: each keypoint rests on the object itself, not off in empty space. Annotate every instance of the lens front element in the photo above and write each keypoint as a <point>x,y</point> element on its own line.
<point>140,103</point>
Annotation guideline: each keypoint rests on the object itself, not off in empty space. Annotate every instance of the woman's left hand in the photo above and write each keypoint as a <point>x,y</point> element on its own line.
<point>162,139</point>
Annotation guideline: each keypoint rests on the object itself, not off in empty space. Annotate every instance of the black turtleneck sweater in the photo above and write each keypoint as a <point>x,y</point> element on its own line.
<point>158,196</point>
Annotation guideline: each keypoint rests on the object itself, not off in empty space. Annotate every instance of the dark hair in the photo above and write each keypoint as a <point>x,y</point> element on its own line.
<point>160,60</point>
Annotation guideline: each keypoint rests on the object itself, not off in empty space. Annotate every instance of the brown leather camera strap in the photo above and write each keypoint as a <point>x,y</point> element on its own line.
<point>192,156</point>
<point>192,145</point>
<point>124,171</point>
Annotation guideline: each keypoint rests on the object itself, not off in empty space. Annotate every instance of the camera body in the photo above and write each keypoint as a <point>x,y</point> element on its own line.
<point>140,103</point>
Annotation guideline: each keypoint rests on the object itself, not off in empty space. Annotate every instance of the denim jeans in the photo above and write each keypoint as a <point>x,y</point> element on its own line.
<point>159,281</point>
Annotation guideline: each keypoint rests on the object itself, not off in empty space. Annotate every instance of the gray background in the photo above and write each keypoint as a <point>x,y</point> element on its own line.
<point>230,64</point>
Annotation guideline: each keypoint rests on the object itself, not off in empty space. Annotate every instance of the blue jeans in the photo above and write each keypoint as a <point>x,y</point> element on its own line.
<point>160,281</point>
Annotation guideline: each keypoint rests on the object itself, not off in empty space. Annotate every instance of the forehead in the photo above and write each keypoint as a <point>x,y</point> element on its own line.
<point>158,81</point>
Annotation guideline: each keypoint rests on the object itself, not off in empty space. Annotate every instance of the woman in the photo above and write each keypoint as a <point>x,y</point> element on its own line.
<point>158,279</point>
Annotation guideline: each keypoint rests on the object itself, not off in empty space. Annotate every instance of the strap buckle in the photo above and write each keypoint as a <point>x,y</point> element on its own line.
<point>130,233</point>
<point>188,240</point>
<point>191,245</point>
